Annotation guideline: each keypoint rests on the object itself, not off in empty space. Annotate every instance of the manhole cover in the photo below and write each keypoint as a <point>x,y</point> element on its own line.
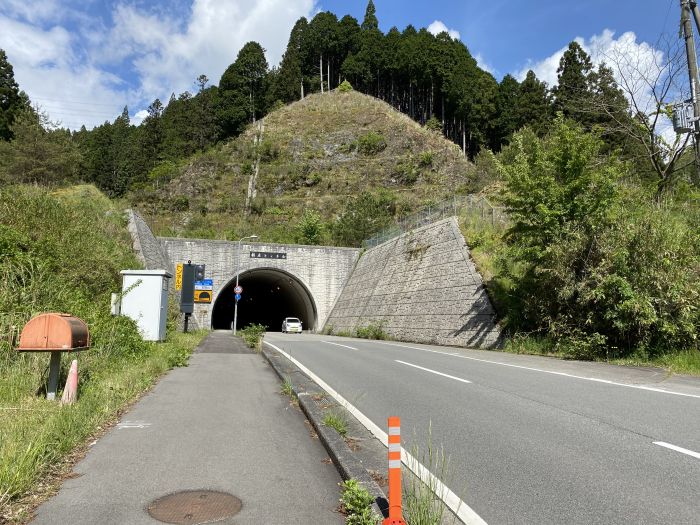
<point>191,507</point>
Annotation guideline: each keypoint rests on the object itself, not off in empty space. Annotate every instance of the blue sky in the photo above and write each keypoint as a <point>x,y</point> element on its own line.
<point>83,60</point>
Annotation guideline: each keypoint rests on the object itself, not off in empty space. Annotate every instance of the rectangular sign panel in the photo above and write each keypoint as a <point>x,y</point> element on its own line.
<point>178,277</point>
<point>202,296</point>
<point>204,284</point>
<point>268,255</point>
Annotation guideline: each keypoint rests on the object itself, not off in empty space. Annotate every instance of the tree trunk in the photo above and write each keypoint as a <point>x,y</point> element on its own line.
<point>321,71</point>
<point>302,88</point>
<point>464,140</point>
<point>328,76</point>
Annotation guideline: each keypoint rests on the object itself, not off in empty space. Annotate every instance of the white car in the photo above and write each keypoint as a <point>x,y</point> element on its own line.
<point>291,325</point>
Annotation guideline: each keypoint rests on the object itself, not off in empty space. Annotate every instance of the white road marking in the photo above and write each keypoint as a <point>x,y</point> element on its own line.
<point>338,344</point>
<point>463,511</point>
<point>433,371</point>
<point>565,374</point>
<point>133,424</point>
<point>678,449</point>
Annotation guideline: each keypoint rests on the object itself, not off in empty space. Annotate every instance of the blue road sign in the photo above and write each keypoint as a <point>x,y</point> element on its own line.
<point>238,297</point>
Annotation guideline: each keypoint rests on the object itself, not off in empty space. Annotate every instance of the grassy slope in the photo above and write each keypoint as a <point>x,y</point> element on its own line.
<point>308,159</point>
<point>63,252</point>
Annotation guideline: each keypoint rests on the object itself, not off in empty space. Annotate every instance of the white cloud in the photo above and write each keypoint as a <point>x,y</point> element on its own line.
<point>168,55</point>
<point>139,117</point>
<point>82,71</point>
<point>438,27</point>
<point>483,64</point>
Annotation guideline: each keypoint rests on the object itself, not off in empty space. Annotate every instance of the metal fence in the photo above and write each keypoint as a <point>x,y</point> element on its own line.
<point>476,207</point>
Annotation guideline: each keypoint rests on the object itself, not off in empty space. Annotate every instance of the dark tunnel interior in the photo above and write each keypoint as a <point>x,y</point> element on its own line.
<point>269,295</point>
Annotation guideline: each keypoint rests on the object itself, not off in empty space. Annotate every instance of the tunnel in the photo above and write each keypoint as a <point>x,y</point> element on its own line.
<point>269,295</point>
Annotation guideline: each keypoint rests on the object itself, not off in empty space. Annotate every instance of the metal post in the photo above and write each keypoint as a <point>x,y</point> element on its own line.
<point>686,6</point>
<point>187,318</point>
<point>54,369</point>
<point>238,271</point>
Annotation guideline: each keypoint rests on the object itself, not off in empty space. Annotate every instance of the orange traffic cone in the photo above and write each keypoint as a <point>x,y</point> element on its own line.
<point>70,392</point>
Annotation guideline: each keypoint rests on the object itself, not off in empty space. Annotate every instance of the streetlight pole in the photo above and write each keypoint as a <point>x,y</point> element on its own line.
<point>238,271</point>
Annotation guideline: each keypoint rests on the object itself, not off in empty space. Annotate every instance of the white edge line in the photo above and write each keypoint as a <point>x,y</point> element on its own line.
<point>463,511</point>
<point>338,344</point>
<point>678,449</point>
<point>565,374</point>
<point>433,371</point>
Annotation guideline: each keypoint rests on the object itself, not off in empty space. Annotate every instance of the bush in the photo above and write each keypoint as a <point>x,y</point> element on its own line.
<point>371,143</point>
<point>363,216</point>
<point>433,124</point>
<point>310,229</point>
<point>345,86</point>
<point>373,330</point>
<point>253,335</point>
<point>357,504</point>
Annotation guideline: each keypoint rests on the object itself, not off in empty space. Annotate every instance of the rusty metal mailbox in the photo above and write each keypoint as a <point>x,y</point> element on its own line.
<point>55,333</point>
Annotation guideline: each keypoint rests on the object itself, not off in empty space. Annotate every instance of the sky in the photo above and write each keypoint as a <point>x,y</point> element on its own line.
<point>82,61</point>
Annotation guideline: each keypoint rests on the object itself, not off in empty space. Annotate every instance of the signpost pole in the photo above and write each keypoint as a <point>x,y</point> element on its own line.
<point>238,271</point>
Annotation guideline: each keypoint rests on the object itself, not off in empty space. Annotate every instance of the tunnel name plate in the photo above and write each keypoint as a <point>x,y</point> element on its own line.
<point>268,255</point>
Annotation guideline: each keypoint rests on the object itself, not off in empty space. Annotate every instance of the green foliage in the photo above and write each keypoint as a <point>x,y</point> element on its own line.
<point>63,251</point>
<point>371,143</point>
<point>425,159</point>
<point>253,335</point>
<point>310,229</point>
<point>604,273</point>
<point>357,504</point>
<point>12,100</point>
<point>374,330</point>
<point>433,124</point>
<point>345,86</point>
<point>337,420</point>
<point>363,216</point>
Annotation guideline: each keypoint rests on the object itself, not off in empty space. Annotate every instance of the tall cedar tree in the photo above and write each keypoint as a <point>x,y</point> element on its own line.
<point>12,100</point>
<point>573,92</point>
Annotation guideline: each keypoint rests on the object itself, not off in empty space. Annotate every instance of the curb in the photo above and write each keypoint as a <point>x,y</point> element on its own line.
<point>345,462</point>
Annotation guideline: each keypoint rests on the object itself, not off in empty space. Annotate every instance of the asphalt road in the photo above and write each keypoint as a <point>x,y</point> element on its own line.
<point>530,439</point>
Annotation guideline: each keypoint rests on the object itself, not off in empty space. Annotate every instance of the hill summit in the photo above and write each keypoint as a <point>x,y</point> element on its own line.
<point>317,154</point>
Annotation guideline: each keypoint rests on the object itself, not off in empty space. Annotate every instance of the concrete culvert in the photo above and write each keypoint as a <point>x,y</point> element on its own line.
<point>269,295</point>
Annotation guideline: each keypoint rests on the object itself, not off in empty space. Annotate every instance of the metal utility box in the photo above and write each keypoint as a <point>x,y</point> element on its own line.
<point>54,332</point>
<point>145,300</point>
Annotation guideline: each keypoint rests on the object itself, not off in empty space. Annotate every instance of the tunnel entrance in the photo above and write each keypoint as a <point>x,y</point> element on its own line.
<point>269,295</point>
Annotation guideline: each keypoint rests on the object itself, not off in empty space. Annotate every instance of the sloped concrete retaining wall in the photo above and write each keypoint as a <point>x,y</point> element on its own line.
<point>423,287</point>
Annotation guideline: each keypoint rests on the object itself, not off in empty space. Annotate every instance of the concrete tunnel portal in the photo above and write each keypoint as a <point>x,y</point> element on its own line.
<point>269,295</point>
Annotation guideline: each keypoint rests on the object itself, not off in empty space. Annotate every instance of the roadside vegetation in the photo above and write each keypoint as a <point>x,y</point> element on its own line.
<point>356,504</point>
<point>62,251</point>
<point>253,335</point>
<point>592,265</point>
<point>336,419</point>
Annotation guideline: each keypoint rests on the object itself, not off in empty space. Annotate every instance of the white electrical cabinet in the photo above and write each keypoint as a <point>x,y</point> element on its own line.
<point>145,300</point>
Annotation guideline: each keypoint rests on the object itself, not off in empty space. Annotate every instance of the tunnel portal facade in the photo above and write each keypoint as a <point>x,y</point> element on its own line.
<point>278,280</point>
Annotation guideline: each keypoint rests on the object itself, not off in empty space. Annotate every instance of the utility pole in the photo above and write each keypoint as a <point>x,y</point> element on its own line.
<point>686,7</point>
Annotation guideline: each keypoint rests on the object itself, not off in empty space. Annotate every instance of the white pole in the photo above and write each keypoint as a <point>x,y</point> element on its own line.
<point>238,271</point>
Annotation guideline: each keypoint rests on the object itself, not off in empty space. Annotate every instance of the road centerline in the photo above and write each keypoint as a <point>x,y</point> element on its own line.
<point>433,371</point>
<point>552,372</point>
<point>678,449</point>
<point>338,344</point>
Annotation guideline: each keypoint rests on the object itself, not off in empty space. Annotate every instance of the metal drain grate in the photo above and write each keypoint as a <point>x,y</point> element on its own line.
<point>192,507</point>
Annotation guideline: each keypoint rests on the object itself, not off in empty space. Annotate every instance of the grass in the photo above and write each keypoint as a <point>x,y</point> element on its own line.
<point>253,335</point>
<point>374,330</point>
<point>357,504</point>
<point>37,435</point>
<point>423,502</point>
<point>336,419</point>
<point>287,389</point>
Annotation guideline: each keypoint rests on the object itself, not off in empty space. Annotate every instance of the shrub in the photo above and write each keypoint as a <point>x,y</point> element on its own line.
<point>253,335</point>
<point>433,124</point>
<point>310,229</point>
<point>425,159</point>
<point>345,86</point>
<point>373,330</point>
<point>371,143</point>
<point>357,504</point>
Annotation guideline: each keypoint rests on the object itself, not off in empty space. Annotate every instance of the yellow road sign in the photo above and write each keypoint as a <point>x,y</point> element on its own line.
<point>202,296</point>
<point>178,277</point>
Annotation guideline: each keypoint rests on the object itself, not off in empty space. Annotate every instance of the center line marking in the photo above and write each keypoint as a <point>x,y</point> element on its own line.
<point>433,371</point>
<point>678,449</point>
<point>552,372</point>
<point>338,344</point>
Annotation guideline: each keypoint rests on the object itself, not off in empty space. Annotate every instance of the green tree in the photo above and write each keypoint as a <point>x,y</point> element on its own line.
<point>12,100</point>
<point>288,83</point>
<point>39,151</point>
<point>574,84</point>
<point>370,22</point>
<point>310,229</point>
<point>364,216</point>
<point>534,106</point>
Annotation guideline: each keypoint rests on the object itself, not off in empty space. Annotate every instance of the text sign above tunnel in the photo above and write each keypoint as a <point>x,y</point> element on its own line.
<point>268,255</point>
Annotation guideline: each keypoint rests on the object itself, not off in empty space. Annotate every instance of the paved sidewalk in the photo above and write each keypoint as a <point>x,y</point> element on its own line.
<point>219,424</point>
